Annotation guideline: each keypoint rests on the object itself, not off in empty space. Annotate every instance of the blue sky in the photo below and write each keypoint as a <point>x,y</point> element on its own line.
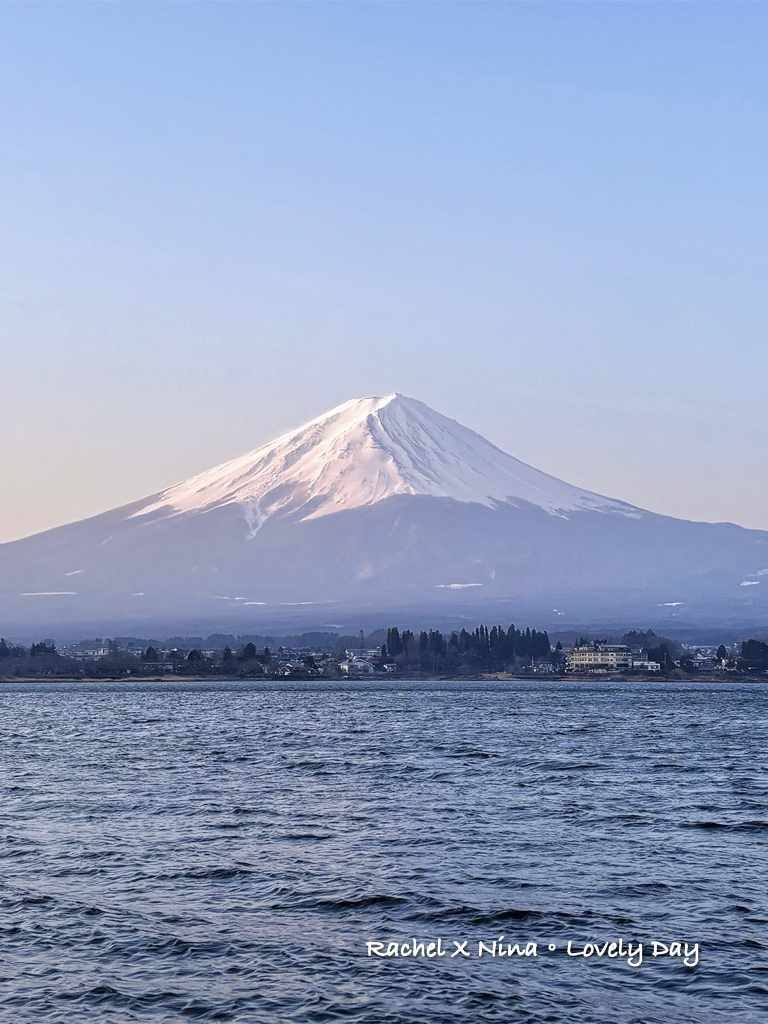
<point>547,220</point>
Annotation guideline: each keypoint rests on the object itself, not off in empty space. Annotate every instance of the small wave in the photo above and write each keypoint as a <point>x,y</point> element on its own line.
<point>295,836</point>
<point>726,826</point>
<point>306,901</point>
<point>471,752</point>
<point>220,874</point>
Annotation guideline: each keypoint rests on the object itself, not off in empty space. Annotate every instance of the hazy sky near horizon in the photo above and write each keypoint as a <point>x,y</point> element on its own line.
<point>546,220</point>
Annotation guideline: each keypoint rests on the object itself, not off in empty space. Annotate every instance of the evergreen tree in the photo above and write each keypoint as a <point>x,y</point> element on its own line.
<point>661,655</point>
<point>408,638</point>
<point>423,647</point>
<point>40,649</point>
<point>394,643</point>
<point>755,652</point>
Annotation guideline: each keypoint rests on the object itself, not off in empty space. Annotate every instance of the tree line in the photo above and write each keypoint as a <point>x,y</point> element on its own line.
<point>16,651</point>
<point>494,649</point>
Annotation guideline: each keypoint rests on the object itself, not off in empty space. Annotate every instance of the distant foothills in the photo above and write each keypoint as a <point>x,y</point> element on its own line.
<point>384,653</point>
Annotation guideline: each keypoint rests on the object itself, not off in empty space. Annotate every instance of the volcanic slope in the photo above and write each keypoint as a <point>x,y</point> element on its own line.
<point>380,506</point>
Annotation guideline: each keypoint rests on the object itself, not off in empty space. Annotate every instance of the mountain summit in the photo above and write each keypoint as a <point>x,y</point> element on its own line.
<point>386,509</point>
<point>368,450</point>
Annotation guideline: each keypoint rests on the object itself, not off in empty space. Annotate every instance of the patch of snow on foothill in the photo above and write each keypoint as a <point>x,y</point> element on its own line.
<point>367,450</point>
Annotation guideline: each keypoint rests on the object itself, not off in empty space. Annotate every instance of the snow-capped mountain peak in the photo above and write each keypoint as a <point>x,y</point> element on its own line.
<point>437,522</point>
<point>364,451</point>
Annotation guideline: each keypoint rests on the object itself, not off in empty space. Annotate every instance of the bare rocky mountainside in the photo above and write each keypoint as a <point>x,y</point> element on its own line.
<point>382,507</point>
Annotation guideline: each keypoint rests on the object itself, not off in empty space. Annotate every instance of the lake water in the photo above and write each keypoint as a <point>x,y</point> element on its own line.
<point>224,851</point>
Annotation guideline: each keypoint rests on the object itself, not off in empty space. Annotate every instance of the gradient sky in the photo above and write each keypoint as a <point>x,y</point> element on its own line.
<point>547,220</point>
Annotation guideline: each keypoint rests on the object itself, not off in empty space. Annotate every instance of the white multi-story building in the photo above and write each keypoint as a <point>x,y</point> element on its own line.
<point>599,658</point>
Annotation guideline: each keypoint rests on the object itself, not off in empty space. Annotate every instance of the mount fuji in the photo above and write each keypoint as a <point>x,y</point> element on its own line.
<point>380,507</point>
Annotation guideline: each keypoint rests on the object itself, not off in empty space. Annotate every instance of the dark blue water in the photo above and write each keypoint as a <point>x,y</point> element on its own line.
<point>223,852</point>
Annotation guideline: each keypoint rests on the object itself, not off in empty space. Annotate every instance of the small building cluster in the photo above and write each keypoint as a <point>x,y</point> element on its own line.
<point>366,663</point>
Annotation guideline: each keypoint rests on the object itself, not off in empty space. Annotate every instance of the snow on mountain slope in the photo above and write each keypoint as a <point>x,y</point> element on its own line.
<point>367,450</point>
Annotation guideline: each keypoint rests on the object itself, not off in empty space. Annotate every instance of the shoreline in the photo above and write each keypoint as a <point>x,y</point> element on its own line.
<point>502,677</point>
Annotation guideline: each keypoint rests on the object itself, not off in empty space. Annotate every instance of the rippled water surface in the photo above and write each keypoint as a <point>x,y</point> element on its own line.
<point>224,851</point>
